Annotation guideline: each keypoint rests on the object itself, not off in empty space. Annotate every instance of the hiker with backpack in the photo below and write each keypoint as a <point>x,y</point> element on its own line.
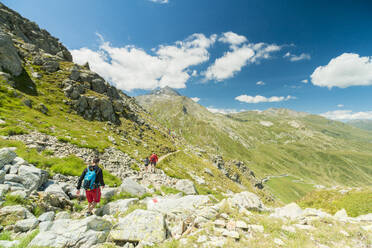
<point>153,161</point>
<point>146,161</point>
<point>92,180</point>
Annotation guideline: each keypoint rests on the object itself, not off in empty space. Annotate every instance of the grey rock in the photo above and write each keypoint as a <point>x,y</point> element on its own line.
<point>341,214</point>
<point>119,206</point>
<point>7,155</point>
<point>57,190</point>
<point>98,85</point>
<point>19,193</point>
<point>186,186</point>
<point>63,215</point>
<point>82,233</point>
<point>27,102</point>
<point>132,187</point>
<point>108,192</point>
<point>50,66</point>
<point>9,59</point>
<point>32,177</point>
<point>247,200</point>
<point>140,225</point>
<point>48,216</point>
<point>26,225</point>
<point>43,109</point>
<point>15,212</point>
<point>45,226</point>
<point>19,161</point>
<point>9,244</point>
<point>291,211</point>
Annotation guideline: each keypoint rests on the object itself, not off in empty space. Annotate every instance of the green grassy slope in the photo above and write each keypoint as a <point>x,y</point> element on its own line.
<point>311,147</point>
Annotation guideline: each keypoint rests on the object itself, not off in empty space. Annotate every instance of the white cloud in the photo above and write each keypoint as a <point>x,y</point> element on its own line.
<point>348,69</point>
<point>160,1</point>
<point>305,81</point>
<point>131,68</point>
<point>340,105</point>
<point>232,38</point>
<point>259,99</point>
<point>260,83</point>
<point>224,111</point>
<point>294,58</point>
<point>348,115</point>
<point>195,99</point>
<point>238,57</point>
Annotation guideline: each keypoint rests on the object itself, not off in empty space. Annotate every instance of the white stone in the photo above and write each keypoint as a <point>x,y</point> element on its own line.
<point>48,216</point>
<point>346,234</point>
<point>241,225</point>
<point>140,225</point>
<point>186,186</point>
<point>26,225</point>
<point>9,244</point>
<point>256,228</point>
<point>246,200</point>
<point>291,211</point>
<point>365,218</point>
<point>266,123</point>
<point>231,234</point>
<point>132,187</point>
<point>278,241</point>
<point>341,214</point>
<point>219,223</point>
<point>202,239</point>
<point>119,206</point>
<point>63,215</point>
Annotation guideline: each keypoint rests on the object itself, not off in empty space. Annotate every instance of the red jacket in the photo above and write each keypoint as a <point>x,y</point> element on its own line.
<point>154,158</point>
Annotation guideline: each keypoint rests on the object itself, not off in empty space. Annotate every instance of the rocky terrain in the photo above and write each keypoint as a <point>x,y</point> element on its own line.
<point>214,184</point>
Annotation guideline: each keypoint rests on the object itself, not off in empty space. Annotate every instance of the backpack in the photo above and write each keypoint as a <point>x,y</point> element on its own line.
<point>89,179</point>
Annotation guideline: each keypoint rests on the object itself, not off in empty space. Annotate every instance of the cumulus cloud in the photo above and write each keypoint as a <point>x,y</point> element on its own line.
<point>238,57</point>
<point>224,111</point>
<point>232,38</point>
<point>347,115</point>
<point>305,81</point>
<point>260,83</point>
<point>195,99</point>
<point>348,69</point>
<point>340,105</point>
<point>131,68</point>
<point>159,1</point>
<point>260,99</point>
<point>294,58</point>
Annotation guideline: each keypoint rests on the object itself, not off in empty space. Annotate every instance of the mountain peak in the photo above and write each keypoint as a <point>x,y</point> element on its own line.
<point>165,91</point>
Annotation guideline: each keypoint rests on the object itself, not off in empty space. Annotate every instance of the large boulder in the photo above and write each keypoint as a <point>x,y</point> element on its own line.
<point>26,225</point>
<point>2,177</point>
<point>247,200</point>
<point>11,214</point>
<point>82,233</point>
<point>7,155</point>
<point>9,244</point>
<point>9,59</point>
<point>119,206</point>
<point>182,205</point>
<point>291,211</point>
<point>140,225</point>
<point>32,177</point>
<point>132,187</point>
<point>50,66</point>
<point>186,186</point>
<point>48,216</point>
<point>57,190</point>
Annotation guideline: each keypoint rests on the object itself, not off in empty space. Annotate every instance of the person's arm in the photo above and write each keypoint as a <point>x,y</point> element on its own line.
<point>81,179</point>
<point>100,178</point>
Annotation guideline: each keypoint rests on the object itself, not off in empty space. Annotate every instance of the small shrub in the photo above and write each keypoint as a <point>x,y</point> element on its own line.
<point>168,190</point>
<point>15,200</point>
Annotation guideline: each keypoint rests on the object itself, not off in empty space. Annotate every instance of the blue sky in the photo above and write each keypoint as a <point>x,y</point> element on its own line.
<point>218,50</point>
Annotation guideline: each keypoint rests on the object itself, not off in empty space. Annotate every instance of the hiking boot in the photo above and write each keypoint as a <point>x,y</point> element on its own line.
<point>87,214</point>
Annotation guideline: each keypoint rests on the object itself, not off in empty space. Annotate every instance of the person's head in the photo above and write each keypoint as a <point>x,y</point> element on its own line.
<point>96,161</point>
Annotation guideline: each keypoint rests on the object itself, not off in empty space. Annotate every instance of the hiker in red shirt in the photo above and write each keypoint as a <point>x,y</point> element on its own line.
<point>153,161</point>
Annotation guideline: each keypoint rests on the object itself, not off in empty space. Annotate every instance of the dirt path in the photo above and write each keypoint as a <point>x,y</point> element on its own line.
<point>166,155</point>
